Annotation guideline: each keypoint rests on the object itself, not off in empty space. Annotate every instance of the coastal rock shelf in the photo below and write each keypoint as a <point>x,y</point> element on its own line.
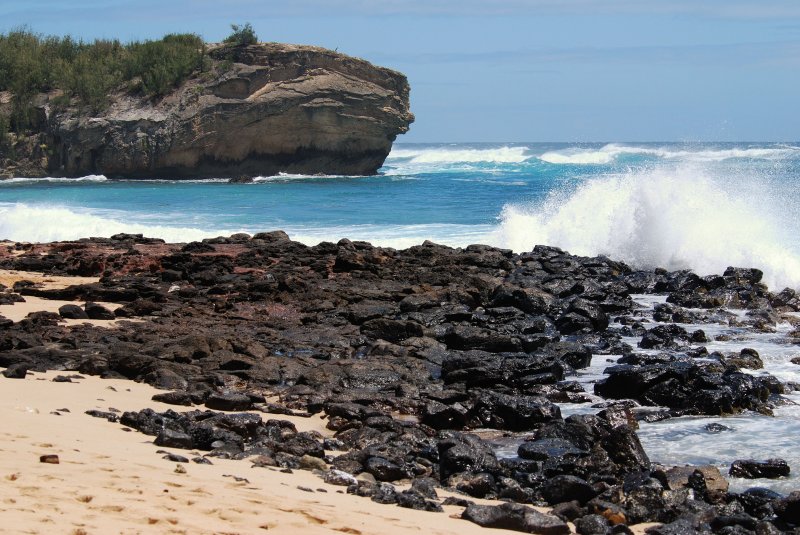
<point>264,109</point>
<point>413,356</point>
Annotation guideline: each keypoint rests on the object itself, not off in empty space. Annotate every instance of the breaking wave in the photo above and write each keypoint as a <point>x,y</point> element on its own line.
<point>88,178</point>
<point>32,223</point>
<point>54,223</point>
<point>673,218</point>
<point>397,236</point>
<point>460,155</point>
<point>611,152</point>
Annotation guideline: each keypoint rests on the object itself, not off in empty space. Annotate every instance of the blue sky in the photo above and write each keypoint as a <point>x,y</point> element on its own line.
<point>518,70</point>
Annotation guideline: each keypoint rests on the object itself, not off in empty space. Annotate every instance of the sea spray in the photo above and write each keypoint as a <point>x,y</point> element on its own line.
<point>673,217</point>
<point>21,222</point>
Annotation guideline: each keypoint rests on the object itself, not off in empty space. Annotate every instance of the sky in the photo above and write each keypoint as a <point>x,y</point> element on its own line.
<point>517,70</point>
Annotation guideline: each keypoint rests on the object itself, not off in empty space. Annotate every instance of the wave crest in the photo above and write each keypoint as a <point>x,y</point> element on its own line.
<point>22,180</point>
<point>676,219</point>
<point>27,223</point>
<point>445,155</point>
<point>611,152</point>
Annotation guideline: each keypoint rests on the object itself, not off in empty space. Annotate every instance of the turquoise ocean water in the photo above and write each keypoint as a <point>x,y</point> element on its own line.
<point>701,206</point>
<point>698,206</point>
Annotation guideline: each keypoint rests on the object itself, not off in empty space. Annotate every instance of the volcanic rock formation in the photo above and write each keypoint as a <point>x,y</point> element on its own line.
<point>265,109</point>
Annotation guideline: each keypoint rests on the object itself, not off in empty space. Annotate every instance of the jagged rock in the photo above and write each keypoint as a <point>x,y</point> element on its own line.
<point>170,438</point>
<point>425,486</point>
<point>110,416</point>
<point>441,416</point>
<point>565,488</point>
<point>383,493</point>
<point>384,469</point>
<point>758,501</point>
<point>478,485</point>
<point>747,358</point>
<point>515,517</point>
<point>515,413</point>
<point>678,477</point>
<point>337,477</point>
<point>96,311</point>
<point>462,452</point>
<point>275,108</point>
<point>752,469</point>
<point>592,525</point>
<point>16,371</point>
<point>228,402</point>
<point>411,499</point>
<point>74,312</point>
<point>546,448</point>
<point>174,398</point>
<point>788,509</point>
<point>686,386</point>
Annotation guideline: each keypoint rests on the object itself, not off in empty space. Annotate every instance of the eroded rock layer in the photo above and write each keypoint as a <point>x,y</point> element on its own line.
<point>270,108</point>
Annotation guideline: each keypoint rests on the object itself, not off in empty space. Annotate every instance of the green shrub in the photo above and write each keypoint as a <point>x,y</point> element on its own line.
<point>163,65</point>
<point>88,73</point>
<point>242,35</point>
<point>4,139</point>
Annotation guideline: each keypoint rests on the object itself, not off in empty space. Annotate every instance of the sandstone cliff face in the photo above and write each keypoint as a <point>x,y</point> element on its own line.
<point>275,108</point>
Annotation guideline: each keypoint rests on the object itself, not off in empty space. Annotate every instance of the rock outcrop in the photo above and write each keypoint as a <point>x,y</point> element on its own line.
<point>259,110</point>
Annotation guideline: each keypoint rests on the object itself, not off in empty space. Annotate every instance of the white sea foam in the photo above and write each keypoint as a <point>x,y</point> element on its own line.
<point>45,223</point>
<point>178,180</point>
<point>611,152</point>
<point>88,178</point>
<point>36,223</point>
<point>445,155</point>
<point>285,177</point>
<point>397,236</point>
<point>580,157</point>
<point>679,217</point>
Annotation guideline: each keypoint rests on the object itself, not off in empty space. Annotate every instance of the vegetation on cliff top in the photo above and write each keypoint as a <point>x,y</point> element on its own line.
<point>87,73</point>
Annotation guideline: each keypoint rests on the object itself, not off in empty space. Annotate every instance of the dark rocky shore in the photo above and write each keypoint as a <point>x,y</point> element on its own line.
<point>408,352</point>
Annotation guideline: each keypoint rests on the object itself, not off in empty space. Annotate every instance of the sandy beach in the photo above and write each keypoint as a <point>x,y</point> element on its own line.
<point>112,481</point>
<point>17,311</point>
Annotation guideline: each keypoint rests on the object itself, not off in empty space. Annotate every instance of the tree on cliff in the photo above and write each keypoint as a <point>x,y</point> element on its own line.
<point>86,73</point>
<point>241,35</point>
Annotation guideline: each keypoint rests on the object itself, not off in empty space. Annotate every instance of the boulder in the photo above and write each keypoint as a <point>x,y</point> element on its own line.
<point>463,452</point>
<point>170,438</point>
<point>514,413</point>
<point>96,311</point>
<point>16,371</point>
<point>228,402</point>
<point>752,469</point>
<point>788,509</point>
<point>565,488</point>
<point>73,312</point>
<point>515,517</point>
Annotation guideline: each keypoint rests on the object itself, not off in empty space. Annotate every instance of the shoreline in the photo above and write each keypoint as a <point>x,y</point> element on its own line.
<point>108,480</point>
<point>400,351</point>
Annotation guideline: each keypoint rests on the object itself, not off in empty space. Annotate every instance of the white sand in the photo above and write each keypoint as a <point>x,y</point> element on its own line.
<point>18,311</point>
<point>112,481</point>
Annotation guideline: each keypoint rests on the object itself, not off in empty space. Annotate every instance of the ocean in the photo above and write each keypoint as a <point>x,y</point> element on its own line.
<point>675,205</point>
<point>697,206</point>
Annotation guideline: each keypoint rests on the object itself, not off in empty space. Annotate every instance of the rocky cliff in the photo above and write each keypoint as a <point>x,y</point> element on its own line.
<point>262,109</point>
